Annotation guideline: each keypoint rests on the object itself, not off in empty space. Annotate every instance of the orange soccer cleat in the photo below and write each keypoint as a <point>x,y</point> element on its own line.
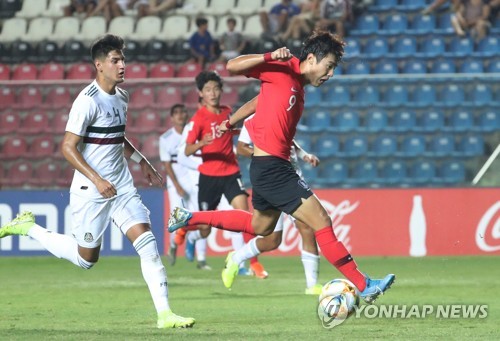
<point>180,236</point>
<point>258,270</point>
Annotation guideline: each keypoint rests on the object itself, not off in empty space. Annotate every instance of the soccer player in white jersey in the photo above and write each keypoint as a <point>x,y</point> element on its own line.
<point>102,190</point>
<point>259,244</point>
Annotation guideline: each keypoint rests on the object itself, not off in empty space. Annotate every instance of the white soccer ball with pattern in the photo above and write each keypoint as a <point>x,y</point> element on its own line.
<point>338,300</point>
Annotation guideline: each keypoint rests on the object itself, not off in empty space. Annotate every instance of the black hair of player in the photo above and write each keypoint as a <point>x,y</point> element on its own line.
<point>177,106</point>
<point>321,43</point>
<point>105,44</point>
<point>206,76</point>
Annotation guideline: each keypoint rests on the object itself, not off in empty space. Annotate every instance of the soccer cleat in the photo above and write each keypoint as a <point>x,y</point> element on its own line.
<point>180,236</point>
<point>258,270</point>
<point>178,218</point>
<point>202,265</point>
<point>167,319</point>
<point>172,255</point>
<point>19,226</point>
<point>189,250</point>
<point>314,290</point>
<point>376,287</point>
<point>230,271</point>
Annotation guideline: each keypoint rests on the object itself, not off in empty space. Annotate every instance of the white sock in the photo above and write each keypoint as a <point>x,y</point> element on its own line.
<point>246,252</point>
<point>237,241</point>
<point>193,236</point>
<point>172,239</point>
<point>311,267</point>
<point>153,271</point>
<point>201,249</point>
<point>60,245</point>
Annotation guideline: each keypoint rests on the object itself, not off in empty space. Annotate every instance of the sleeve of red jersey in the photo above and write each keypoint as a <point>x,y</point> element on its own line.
<point>263,71</point>
<point>194,130</point>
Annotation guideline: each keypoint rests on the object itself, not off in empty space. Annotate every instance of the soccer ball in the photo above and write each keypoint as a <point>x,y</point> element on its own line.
<point>338,300</point>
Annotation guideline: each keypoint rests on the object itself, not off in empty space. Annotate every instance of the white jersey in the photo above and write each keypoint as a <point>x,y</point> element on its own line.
<point>170,145</point>
<point>100,118</point>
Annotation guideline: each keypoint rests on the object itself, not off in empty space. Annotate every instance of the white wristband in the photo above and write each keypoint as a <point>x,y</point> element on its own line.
<point>301,153</point>
<point>136,157</point>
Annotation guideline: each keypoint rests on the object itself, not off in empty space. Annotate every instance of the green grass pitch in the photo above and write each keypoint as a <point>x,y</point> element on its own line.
<point>43,298</point>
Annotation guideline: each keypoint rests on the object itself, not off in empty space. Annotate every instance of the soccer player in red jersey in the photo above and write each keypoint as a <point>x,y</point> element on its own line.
<point>219,171</point>
<point>276,186</point>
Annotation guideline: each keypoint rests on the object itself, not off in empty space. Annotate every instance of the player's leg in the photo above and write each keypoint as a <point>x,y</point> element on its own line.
<point>134,222</point>
<point>312,213</point>
<point>174,200</point>
<point>310,258</point>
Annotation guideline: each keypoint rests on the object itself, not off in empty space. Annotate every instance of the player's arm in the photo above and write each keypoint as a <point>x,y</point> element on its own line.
<point>192,148</point>
<point>171,174</point>
<point>244,149</point>
<point>305,156</point>
<point>241,64</point>
<point>243,112</point>
<point>69,148</point>
<point>148,170</point>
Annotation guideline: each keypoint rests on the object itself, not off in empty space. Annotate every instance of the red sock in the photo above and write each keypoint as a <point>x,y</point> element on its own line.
<point>231,220</point>
<point>191,227</point>
<point>336,253</point>
<point>247,237</point>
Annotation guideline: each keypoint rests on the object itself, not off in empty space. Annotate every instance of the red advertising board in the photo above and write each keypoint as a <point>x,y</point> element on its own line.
<point>390,222</point>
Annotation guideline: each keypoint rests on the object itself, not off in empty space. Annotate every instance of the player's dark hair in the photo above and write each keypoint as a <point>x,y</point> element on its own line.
<point>231,19</point>
<point>320,44</point>
<point>206,76</point>
<point>175,107</point>
<point>201,21</point>
<point>102,46</point>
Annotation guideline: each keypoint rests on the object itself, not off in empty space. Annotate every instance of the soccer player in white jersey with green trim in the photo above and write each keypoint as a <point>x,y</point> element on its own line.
<point>102,190</point>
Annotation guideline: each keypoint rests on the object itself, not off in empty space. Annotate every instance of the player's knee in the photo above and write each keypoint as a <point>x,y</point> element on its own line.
<point>86,264</point>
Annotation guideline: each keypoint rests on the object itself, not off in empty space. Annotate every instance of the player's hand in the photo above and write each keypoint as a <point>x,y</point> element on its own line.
<point>207,139</point>
<point>312,159</point>
<point>106,188</point>
<point>222,126</point>
<point>182,193</point>
<point>282,54</point>
<point>154,178</point>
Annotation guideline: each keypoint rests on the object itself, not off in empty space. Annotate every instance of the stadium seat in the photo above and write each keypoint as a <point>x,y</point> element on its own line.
<point>367,96</point>
<point>358,68</point>
<point>386,67</point>
<point>424,95</point>
<point>178,51</point>
<point>51,71</point>
<point>45,51</point>
<point>123,26</point>
<point>29,97</point>
<point>7,97</point>
<point>488,47</point>
<point>444,24</point>
<point>136,71</point>
<point>82,71</point>
<point>404,47</point>
<point>56,8</point>
<point>309,173</point>
<point>365,24</point>
<point>13,29</point>
<point>412,146</point>
<point>10,121</point>
<point>304,140</point>
<point>441,146</point>
<point>162,70</point>
<point>5,51</point>
<point>336,95</point>
<point>352,49</point>
<point>332,173</point>
<point>326,145</point>
<point>365,173</point>
<point>471,66</point>
<point>191,98</point>
<point>252,28</point>
<point>220,8</point>
<point>14,147</point>
<point>345,121</point>
<point>189,70</point>
<point>452,172</point>
<point>66,28</point>
<point>8,8</point>
<point>460,47</point>
<point>42,147</point>
<point>394,173</point>
<point>443,66</point>
<point>19,174</point>
<point>26,71</point>
<point>32,9</point>
<point>431,121</point>
<point>314,96</point>
<point>354,146</point>
<point>46,173</point>
<point>147,28</point>
<point>174,27</point>
<point>133,49</point>
<point>375,121</point>
<point>40,28</point>
<point>396,96</point>
<point>59,121</point>
<point>66,176</point>
<point>153,51</point>
<point>394,24</point>
<point>72,51</point>
<point>411,5</point>
<point>383,5</point>
<point>91,28</point>
<point>318,120</point>
<point>452,95</point>
<point>383,146</point>
<point>35,123</point>
<point>471,146</point>
<point>20,52</point>
<point>150,147</point>
<point>192,7</point>
<point>147,121</point>
<point>423,24</point>
<point>230,95</point>
<point>482,95</point>
<point>168,96</point>
<point>220,67</point>
<point>57,98</point>
<point>460,121</point>
<point>137,175</point>
<point>376,48</point>
<point>432,47</point>
<point>422,172</point>
<point>488,122</point>
<point>142,98</point>
<point>402,121</point>
<point>414,67</point>
<point>247,8</point>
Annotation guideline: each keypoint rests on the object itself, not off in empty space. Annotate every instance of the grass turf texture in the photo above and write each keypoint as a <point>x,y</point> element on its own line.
<point>46,298</point>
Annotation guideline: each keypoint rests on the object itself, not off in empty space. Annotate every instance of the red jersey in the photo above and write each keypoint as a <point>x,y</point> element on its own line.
<point>218,157</point>
<point>279,108</point>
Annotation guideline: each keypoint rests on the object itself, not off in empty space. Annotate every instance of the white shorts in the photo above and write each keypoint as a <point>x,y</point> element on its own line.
<point>190,201</point>
<point>91,218</point>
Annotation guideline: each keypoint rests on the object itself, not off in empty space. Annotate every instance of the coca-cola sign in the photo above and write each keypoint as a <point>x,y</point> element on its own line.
<point>488,229</point>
